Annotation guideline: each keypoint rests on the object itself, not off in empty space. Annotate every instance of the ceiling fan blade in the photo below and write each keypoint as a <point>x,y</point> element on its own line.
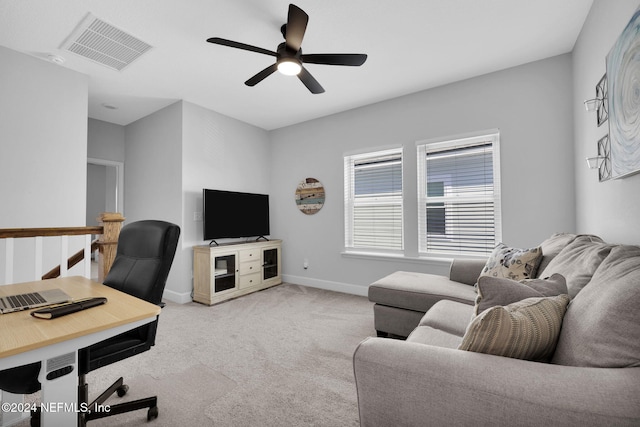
<point>310,82</point>
<point>296,26</point>
<point>351,59</point>
<point>237,45</point>
<point>261,75</point>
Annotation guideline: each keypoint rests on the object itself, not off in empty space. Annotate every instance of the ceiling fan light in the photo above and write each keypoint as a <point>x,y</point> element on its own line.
<point>289,67</point>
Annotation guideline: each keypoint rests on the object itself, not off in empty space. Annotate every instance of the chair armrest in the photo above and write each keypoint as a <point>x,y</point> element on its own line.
<point>411,384</point>
<point>466,270</point>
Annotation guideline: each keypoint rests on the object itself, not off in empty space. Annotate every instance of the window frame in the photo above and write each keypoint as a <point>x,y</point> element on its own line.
<point>351,201</point>
<point>449,143</point>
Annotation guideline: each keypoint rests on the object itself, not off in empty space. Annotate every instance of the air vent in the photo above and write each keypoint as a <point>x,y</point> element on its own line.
<point>103,43</point>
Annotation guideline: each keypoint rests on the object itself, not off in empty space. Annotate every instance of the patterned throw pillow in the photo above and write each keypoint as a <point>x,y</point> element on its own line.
<point>527,329</point>
<point>494,291</point>
<point>513,263</point>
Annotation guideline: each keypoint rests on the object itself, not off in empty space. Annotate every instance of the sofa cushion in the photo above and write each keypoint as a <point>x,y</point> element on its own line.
<point>449,316</point>
<point>526,329</point>
<point>465,270</point>
<point>602,325</point>
<point>494,291</point>
<point>578,261</point>
<point>552,246</point>
<point>418,291</point>
<point>512,263</point>
<point>432,336</point>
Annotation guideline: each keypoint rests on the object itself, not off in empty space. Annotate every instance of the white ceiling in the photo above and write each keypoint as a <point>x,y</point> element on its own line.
<point>412,45</point>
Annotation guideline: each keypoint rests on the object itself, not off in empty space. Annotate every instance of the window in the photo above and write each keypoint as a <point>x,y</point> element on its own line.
<point>459,196</point>
<point>373,200</point>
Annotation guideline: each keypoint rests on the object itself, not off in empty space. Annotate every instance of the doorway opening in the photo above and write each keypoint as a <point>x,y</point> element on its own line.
<point>105,182</point>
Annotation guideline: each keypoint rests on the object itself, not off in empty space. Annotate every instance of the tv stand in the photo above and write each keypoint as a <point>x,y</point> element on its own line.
<point>230,270</point>
<point>262,237</point>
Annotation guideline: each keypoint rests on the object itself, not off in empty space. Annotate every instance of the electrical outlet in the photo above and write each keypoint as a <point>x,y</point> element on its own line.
<point>197,216</point>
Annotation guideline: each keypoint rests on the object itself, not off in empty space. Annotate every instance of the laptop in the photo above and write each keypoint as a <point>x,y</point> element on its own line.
<point>11,303</point>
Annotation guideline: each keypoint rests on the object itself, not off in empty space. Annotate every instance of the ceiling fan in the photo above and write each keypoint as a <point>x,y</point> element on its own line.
<point>289,56</point>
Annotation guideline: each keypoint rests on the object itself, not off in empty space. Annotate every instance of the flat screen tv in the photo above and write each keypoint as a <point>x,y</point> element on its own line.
<point>229,214</point>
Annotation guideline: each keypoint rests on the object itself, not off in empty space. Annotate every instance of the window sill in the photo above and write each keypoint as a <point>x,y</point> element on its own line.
<point>380,256</point>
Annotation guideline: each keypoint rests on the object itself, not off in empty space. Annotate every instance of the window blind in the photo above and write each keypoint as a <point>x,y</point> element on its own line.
<point>373,200</point>
<point>459,196</point>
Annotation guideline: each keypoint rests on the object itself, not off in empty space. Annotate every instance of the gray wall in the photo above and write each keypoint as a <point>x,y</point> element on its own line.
<point>610,209</point>
<point>43,153</point>
<point>530,104</point>
<point>96,192</point>
<point>105,149</point>
<point>221,153</point>
<point>153,174</point>
<point>43,143</point>
<point>105,141</point>
<point>171,155</point>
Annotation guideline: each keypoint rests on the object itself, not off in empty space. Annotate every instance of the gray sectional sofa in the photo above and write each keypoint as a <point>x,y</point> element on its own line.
<point>452,370</point>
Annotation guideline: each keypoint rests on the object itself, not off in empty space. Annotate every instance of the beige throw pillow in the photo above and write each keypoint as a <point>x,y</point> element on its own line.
<point>513,263</point>
<point>526,329</point>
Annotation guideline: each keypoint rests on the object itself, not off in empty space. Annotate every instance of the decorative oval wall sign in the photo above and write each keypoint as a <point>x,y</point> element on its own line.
<point>310,196</point>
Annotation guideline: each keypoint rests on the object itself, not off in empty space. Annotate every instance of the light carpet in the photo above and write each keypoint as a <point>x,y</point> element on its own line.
<point>279,357</point>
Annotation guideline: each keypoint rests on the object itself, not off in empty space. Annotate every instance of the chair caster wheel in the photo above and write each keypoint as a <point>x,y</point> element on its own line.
<point>152,413</point>
<point>35,418</point>
<point>122,390</point>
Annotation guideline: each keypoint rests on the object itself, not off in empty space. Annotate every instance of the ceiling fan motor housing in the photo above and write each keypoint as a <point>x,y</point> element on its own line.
<point>289,57</point>
<point>284,52</point>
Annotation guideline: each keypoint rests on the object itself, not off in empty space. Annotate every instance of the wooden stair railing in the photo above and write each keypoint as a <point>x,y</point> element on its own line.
<point>6,233</point>
<point>72,261</point>
<point>106,244</point>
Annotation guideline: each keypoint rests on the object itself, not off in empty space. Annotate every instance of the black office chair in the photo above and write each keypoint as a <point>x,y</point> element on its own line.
<point>143,259</point>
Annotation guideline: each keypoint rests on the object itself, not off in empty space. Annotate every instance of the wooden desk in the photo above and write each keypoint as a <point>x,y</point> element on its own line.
<point>25,339</point>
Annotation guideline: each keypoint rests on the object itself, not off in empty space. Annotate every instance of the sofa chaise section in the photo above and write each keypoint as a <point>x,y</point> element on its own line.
<point>401,298</point>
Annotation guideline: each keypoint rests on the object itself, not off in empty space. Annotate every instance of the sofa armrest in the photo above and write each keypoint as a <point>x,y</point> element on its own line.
<point>466,270</point>
<point>411,384</point>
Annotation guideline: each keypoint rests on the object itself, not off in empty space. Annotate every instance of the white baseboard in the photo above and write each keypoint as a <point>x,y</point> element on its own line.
<point>179,297</point>
<point>346,288</point>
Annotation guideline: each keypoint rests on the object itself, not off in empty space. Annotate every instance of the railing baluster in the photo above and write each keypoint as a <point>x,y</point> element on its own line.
<point>87,256</point>
<point>38,260</point>
<point>64,254</point>
<point>8,272</point>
